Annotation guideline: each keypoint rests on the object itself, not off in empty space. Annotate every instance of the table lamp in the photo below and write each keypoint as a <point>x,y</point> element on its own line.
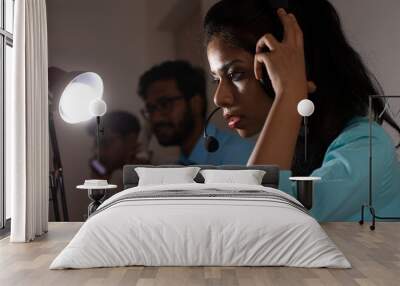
<point>305,108</point>
<point>305,185</point>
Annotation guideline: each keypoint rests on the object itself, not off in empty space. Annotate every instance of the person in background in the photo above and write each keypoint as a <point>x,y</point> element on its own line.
<point>174,93</point>
<point>118,146</point>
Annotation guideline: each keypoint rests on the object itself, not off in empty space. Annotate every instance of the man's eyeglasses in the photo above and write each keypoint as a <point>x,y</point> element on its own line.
<point>163,105</point>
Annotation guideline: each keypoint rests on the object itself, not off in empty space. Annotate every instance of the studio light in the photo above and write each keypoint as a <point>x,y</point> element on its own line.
<point>78,97</point>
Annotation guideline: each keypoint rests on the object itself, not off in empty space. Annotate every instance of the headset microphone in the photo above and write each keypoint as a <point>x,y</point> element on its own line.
<point>210,143</point>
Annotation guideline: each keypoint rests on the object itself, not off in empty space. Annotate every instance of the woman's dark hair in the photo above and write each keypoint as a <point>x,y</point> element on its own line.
<point>343,82</point>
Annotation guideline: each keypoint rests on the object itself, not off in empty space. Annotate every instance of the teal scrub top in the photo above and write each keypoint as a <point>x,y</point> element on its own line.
<point>345,175</point>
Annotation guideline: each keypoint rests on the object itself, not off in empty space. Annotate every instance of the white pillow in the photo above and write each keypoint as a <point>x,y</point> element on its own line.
<point>162,176</point>
<point>248,177</point>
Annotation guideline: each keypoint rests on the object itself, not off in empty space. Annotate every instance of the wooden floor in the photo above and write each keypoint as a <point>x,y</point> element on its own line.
<point>375,257</point>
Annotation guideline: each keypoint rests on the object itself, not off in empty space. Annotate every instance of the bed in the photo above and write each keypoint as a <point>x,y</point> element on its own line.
<point>201,224</point>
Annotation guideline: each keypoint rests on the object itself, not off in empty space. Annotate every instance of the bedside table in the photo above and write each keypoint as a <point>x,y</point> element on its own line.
<point>96,194</point>
<point>305,187</point>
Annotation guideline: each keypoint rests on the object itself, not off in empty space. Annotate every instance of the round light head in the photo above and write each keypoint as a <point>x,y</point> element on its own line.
<point>77,96</point>
<point>305,107</point>
<point>97,107</point>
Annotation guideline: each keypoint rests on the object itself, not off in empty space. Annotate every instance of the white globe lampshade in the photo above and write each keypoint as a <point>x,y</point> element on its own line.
<point>305,107</point>
<point>77,96</point>
<point>97,107</point>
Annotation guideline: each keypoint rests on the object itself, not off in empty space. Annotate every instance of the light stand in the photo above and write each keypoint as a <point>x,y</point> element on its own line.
<point>369,205</point>
<point>56,177</point>
<point>75,93</point>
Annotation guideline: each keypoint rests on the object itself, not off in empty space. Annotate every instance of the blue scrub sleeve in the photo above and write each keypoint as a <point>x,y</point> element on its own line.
<point>344,173</point>
<point>345,179</point>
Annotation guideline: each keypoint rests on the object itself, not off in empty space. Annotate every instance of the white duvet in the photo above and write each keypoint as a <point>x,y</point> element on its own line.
<point>200,231</point>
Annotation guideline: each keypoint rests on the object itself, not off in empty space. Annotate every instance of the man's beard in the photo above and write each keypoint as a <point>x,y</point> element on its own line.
<point>169,134</point>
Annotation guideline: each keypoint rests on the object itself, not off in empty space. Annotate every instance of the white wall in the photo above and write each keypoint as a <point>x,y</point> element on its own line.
<point>373,29</point>
<point>106,37</point>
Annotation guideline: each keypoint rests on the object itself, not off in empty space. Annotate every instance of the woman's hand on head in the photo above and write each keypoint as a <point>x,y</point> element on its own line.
<point>285,65</point>
<point>284,61</point>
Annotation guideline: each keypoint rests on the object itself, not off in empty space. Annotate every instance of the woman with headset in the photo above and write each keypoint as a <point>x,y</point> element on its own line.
<point>265,60</point>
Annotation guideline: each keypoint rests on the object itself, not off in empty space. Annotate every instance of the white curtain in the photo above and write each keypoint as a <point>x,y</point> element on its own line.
<point>27,142</point>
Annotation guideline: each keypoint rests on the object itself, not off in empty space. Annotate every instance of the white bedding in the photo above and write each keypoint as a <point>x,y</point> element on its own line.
<point>200,231</point>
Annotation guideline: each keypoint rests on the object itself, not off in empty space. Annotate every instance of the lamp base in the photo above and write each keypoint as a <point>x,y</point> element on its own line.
<point>305,193</point>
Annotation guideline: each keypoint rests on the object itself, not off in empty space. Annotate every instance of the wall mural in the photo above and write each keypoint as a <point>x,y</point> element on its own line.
<point>162,75</point>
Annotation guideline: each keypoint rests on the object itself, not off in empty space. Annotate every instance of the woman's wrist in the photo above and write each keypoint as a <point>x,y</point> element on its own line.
<point>286,105</point>
<point>292,95</point>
